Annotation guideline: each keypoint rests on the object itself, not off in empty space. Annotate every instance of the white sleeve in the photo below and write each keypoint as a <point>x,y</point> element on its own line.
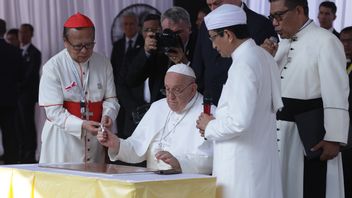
<point>235,116</point>
<point>51,98</point>
<point>334,84</point>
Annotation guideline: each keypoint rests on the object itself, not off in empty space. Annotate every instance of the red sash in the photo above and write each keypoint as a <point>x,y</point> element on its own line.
<point>94,107</point>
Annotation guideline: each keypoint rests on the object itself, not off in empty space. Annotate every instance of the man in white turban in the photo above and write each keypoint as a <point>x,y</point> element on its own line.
<point>246,160</point>
<point>166,136</point>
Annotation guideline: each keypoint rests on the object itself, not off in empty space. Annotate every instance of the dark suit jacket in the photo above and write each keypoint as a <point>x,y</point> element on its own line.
<point>30,82</point>
<point>129,97</point>
<point>154,67</point>
<point>11,67</point>
<point>210,68</point>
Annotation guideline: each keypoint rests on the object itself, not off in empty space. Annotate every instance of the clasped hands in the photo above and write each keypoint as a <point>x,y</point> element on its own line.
<point>203,121</point>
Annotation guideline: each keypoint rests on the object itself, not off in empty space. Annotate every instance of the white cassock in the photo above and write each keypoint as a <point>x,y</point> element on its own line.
<point>313,66</point>
<point>163,129</point>
<point>246,160</point>
<point>63,139</point>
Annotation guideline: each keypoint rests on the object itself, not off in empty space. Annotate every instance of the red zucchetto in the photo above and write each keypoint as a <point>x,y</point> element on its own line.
<point>78,21</point>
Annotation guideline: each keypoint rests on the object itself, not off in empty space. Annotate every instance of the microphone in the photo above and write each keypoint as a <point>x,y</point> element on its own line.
<point>207,100</point>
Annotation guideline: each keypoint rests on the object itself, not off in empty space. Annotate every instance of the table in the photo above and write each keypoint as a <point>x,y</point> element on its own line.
<point>30,180</point>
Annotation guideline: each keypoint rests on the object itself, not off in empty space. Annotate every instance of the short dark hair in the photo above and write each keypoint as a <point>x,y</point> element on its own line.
<point>329,4</point>
<point>65,32</point>
<point>290,4</point>
<point>240,31</point>
<point>346,30</point>
<point>29,26</point>
<point>152,17</point>
<point>2,27</point>
<point>13,31</point>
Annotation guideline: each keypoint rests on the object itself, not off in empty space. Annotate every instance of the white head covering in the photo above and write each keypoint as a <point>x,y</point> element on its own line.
<point>225,16</point>
<point>182,69</point>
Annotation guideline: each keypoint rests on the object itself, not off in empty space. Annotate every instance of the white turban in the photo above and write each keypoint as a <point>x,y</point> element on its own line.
<point>225,16</point>
<point>182,69</point>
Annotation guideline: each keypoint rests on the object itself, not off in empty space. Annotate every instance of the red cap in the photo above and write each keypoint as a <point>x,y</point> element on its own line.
<point>78,21</point>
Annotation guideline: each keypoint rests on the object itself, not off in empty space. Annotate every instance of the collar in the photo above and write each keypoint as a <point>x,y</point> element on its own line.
<point>25,47</point>
<point>331,29</point>
<point>85,64</point>
<point>305,27</point>
<point>134,38</point>
<point>189,104</point>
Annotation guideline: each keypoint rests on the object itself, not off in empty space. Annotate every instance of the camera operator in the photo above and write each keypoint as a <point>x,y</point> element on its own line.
<point>161,50</point>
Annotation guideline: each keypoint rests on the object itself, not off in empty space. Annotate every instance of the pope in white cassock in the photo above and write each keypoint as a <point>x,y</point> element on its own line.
<point>77,92</point>
<point>166,136</point>
<point>313,76</point>
<point>246,160</point>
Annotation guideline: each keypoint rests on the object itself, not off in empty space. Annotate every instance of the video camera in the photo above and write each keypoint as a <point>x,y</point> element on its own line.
<point>167,40</point>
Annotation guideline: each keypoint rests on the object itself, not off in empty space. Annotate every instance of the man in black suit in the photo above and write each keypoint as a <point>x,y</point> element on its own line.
<point>210,68</point>
<point>10,65</point>
<point>346,39</point>
<point>123,52</point>
<point>28,93</point>
<point>327,15</point>
<point>152,63</point>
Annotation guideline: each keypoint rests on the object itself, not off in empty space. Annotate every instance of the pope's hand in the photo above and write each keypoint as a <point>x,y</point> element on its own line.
<point>91,126</point>
<point>108,139</point>
<point>168,158</point>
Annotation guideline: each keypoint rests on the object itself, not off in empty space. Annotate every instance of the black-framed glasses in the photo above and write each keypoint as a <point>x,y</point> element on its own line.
<point>278,15</point>
<point>175,92</point>
<point>79,47</point>
<point>213,37</point>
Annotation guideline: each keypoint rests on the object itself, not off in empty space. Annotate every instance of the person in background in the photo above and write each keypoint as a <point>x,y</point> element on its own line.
<point>327,15</point>
<point>29,93</point>
<point>12,37</point>
<point>123,52</point>
<point>346,39</point>
<point>202,12</point>
<point>10,77</point>
<point>78,94</point>
<point>152,63</point>
<point>210,68</point>
<point>314,84</point>
<point>246,161</point>
<point>166,136</point>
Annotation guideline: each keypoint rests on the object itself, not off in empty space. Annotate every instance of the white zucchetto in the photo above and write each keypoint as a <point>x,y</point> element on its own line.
<point>182,69</point>
<point>225,16</point>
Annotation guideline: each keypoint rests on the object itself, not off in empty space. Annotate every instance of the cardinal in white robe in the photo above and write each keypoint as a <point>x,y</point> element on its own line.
<point>77,92</point>
<point>166,136</point>
<point>246,160</point>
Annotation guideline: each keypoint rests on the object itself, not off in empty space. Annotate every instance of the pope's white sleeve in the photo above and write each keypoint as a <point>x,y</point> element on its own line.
<point>236,115</point>
<point>51,98</point>
<point>126,153</point>
<point>199,162</point>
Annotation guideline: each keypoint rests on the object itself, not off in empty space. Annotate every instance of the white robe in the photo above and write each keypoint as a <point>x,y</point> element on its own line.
<point>246,161</point>
<point>315,68</point>
<point>194,154</point>
<point>62,137</point>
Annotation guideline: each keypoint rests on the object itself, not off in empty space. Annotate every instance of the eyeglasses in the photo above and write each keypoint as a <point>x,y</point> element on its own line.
<point>213,37</point>
<point>175,92</point>
<point>79,47</point>
<point>152,30</point>
<point>278,15</point>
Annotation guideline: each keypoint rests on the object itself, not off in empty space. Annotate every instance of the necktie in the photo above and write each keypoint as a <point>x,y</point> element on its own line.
<point>129,48</point>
